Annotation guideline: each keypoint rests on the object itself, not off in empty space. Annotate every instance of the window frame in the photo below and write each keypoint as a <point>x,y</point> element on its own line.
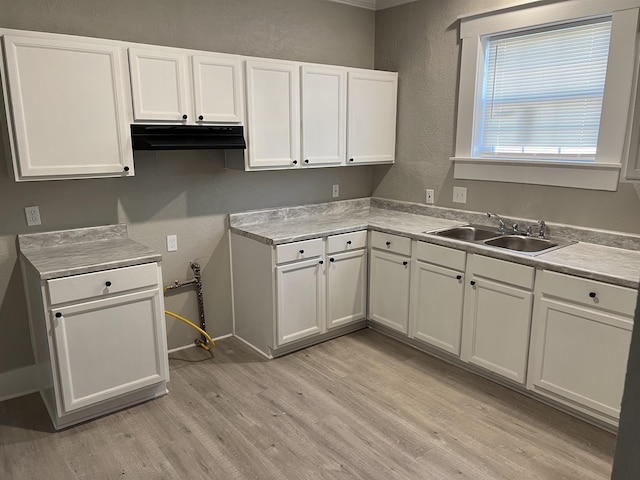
<point>601,174</point>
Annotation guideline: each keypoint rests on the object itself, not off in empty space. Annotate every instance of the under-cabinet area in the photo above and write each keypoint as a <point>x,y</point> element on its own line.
<point>530,322</point>
<point>294,114</point>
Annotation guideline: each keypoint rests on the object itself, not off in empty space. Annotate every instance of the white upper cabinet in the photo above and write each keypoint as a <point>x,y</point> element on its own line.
<point>217,88</point>
<point>324,116</point>
<point>273,110</point>
<point>159,85</point>
<point>371,124</point>
<point>172,86</point>
<point>66,108</point>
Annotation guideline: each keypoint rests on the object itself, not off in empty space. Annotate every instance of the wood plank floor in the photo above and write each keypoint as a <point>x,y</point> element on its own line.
<point>362,406</point>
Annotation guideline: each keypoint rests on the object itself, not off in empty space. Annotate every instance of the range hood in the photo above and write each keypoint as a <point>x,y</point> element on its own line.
<point>187,137</point>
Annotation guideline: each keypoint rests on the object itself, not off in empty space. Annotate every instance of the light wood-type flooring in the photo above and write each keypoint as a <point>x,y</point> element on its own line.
<point>362,406</point>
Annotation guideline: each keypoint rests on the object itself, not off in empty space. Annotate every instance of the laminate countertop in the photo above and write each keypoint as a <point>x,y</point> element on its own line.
<point>83,250</point>
<point>610,257</point>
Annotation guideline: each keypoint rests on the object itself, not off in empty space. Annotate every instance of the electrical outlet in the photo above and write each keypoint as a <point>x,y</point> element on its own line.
<point>429,196</point>
<point>33,216</point>
<point>336,191</point>
<point>460,194</point>
<point>172,243</point>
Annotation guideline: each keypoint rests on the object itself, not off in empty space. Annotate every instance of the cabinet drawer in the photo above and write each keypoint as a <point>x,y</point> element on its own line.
<point>391,243</point>
<point>347,241</point>
<point>589,292</point>
<point>88,285</point>
<point>289,252</point>
<point>443,256</point>
<point>504,272</point>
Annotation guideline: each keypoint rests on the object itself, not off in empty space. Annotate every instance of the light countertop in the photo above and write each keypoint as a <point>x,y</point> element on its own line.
<point>606,263</point>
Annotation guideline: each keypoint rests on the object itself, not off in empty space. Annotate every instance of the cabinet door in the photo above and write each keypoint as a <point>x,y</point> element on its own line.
<point>580,354</point>
<point>300,290</point>
<point>346,288</point>
<point>437,301</point>
<point>273,110</point>
<point>495,331</point>
<point>324,116</point>
<point>159,85</point>
<point>68,111</point>
<point>389,290</point>
<point>217,89</point>
<point>371,125</point>
<point>109,347</point>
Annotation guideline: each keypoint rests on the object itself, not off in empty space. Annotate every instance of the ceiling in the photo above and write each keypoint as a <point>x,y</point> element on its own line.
<point>374,4</point>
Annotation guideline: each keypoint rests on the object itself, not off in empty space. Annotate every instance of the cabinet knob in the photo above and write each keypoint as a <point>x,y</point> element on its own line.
<point>295,162</point>
<point>107,283</point>
<point>58,314</point>
<point>301,252</point>
<point>332,259</point>
<point>321,262</point>
<point>472,283</point>
<point>126,169</point>
<point>593,294</point>
<point>351,159</point>
<point>458,277</point>
<point>388,243</point>
<point>348,242</point>
<point>306,160</point>
<point>200,117</point>
<point>184,117</point>
<point>405,263</point>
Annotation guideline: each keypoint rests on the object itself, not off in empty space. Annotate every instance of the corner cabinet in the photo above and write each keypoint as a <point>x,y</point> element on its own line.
<point>67,108</point>
<point>99,340</point>
<point>371,125</point>
<point>292,295</point>
<point>169,85</point>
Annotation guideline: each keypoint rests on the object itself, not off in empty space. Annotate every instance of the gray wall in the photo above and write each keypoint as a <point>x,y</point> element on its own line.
<point>420,41</point>
<point>181,193</point>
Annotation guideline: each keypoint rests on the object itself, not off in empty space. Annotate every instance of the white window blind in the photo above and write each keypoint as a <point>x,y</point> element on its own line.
<point>542,93</point>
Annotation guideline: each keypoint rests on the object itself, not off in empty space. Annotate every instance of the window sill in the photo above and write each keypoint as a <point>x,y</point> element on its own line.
<point>590,176</point>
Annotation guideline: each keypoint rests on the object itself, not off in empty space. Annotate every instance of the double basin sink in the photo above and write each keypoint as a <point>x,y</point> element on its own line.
<point>495,238</point>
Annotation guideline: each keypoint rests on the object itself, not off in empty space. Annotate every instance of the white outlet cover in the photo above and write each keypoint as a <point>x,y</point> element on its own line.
<point>460,194</point>
<point>336,191</point>
<point>33,216</point>
<point>172,243</point>
<point>429,196</point>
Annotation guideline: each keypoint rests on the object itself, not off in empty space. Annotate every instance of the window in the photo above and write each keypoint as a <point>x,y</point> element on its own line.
<point>545,93</point>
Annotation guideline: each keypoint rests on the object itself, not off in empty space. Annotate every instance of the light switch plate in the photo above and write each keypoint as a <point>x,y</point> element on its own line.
<point>460,194</point>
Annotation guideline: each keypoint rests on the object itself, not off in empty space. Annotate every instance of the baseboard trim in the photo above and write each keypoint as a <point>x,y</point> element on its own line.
<point>18,382</point>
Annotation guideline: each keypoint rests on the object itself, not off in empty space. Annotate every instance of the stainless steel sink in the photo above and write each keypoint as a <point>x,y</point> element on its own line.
<point>470,233</point>
<point>521,243</point>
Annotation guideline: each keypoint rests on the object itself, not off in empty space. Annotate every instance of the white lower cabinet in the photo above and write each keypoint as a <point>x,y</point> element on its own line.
<point>497,315</point>
<point>390,273</point>
<point>294,294</point>
<point>580,341</point>
<point>300,299</point>
<point>437,293</point>
<point>99,340</point>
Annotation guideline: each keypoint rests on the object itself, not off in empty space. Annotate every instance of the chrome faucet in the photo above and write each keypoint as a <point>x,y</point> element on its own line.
<point>542,228</point>
<point>503,227</point>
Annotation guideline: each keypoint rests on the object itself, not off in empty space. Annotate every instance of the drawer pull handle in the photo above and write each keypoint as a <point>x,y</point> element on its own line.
<point>321,262</point>
<point>405,263</point>
<point>200,117</point>
<point>332,259</point>
<point>107,283</point>
<point>348,242</point>
<point>306,160</point>
<point>388,243</point>
<point>458,277</point>
<point>295,162</point>
<point>593,294</point>
<point>472,283</point>
<point>58,315</point>
<point>301,252</point>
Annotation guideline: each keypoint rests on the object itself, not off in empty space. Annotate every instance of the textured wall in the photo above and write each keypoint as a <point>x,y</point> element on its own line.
<point>420,41</point>
<point>183,193</point>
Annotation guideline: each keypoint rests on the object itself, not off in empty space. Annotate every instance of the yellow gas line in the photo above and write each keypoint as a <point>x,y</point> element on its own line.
<point>193,325</point>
